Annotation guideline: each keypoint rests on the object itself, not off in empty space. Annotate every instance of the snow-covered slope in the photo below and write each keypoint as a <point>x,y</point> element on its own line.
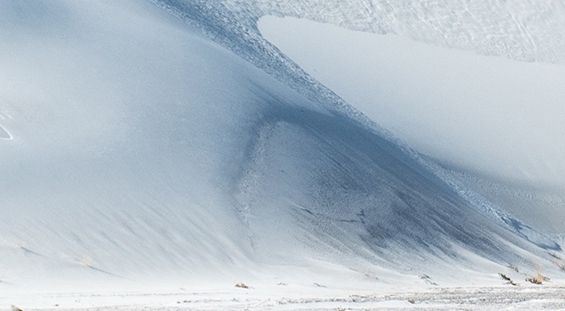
<point>137,152</point>
<point>488,116</point>
<point>127,131</point>
<point>531,32</point>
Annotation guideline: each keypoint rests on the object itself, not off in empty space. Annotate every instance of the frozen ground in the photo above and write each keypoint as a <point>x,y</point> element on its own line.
<point>285,297</point>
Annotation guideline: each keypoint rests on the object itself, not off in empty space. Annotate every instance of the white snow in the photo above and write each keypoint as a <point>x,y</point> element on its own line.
<point>530,31</point>
<point>486,115</point>
<point>125,125</point>
<point>146,167</point>
<point>306,298</point>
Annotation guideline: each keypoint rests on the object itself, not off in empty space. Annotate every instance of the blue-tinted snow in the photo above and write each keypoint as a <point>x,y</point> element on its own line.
<point>146,153</point>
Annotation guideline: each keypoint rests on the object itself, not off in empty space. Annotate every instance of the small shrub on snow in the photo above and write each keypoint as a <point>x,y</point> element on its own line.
<point>241,285</point>
<point>507,278</point>
<point>538,278</point>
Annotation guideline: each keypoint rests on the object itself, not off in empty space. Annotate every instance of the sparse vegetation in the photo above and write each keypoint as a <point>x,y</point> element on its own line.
<point>535,279</point>
<point>538,278</point>
<point>504,276</point>
<point>507,278</point>
<point>427,279</point>
<point>241,285</point>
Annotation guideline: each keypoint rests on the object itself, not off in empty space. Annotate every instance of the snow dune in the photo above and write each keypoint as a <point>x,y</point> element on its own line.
<point>484,115</point>
<point>146,157</point>
<point>127,129</point>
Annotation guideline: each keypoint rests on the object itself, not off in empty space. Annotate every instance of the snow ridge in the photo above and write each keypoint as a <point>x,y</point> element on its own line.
<point>488,27</point>
<point>238,28</point>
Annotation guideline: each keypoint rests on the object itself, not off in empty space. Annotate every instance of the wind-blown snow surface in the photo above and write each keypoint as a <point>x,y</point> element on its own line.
<point>126,126</point>
<point>486,115</point>
<point>524,31</point>
<point>137,153</point>
<point>522,181</point>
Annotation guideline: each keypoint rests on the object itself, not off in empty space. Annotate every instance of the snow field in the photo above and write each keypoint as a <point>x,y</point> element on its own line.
<point>148,165</point>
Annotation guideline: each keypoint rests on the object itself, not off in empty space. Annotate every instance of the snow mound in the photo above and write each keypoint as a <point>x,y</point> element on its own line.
<point>487,118</point>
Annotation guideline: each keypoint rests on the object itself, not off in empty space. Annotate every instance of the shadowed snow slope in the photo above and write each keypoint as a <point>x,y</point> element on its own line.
<point>488,116</point>
<point>429,96</point>
<point>143,152</point>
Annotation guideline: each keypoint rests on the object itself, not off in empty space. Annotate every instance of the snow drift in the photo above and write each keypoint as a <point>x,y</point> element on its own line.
<point>495,121</point>
<point>141,152</point>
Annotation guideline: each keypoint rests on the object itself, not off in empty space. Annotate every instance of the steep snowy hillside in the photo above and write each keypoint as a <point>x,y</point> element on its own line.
<point>522,175</point>
<point>492,118</point>
<point>166,144</point>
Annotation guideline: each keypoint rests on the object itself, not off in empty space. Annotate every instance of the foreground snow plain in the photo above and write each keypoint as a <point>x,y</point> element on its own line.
<point>147,167</point>
<point>281,298</point>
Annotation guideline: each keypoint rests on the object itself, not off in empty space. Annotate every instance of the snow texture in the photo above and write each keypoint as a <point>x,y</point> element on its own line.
<point>152,147</point>
<point>491,119</point>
